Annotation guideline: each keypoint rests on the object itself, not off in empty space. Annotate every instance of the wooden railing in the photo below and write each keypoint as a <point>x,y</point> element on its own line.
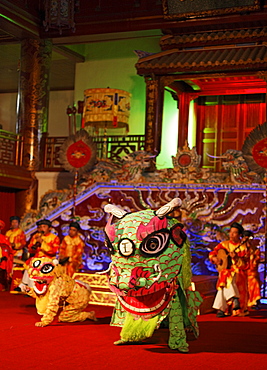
<point>115,147</point>
<point>112,147</point>
<point>11,148</point>
<point>49,153</point>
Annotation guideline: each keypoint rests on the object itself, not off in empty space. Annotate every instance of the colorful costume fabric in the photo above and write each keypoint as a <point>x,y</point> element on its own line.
<point>6,262</point>
<point>17,239</point>
<point>72,248</point>
<point>55,290</point>
<point>150,273</point>
<point>236,275</point>
<point>48,248</point>
<point>254,293</point>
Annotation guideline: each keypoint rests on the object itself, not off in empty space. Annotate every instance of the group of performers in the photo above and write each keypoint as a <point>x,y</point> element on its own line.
<point>238,285</point>
<point>15,251</point>
<point>49,267</point>
<point>236,259</point>
<point>151,274</point>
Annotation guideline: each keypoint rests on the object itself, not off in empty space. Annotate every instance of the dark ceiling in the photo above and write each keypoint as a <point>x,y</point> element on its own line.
<point>103,19</point>
<point>61,75</point>
<point>21,19</point>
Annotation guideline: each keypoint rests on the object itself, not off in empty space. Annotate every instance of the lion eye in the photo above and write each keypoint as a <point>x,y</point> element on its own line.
<point>126,247</point>
<point>47,268</point>
<point>155,243</point>
<point>36,263</point>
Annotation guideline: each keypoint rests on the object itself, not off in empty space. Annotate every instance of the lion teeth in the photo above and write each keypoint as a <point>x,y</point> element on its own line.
<point>143,310</point>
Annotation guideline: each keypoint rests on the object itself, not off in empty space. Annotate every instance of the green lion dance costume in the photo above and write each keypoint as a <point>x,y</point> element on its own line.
<point>150,273</point>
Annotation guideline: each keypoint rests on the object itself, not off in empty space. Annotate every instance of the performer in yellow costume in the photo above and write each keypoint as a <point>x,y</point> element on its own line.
<point>254,283</point>
<point>72,246</point>
<point>42,244</point>
<point>232,280</point>
<point>6,260</point>
<point>16,237</point>
<point>55,290</point>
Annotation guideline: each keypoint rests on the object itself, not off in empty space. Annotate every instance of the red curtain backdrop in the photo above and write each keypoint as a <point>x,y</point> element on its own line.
<point>224,122</point>
<point>7,207</point>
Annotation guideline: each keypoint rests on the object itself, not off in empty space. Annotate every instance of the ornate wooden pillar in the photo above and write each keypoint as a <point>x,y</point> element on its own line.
<point>154,109</point>
<point>184,101</point>
<point>33,97</point>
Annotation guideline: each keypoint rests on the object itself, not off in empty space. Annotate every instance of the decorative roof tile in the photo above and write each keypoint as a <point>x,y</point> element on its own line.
<point>227,36</point>
<point>174,61</point>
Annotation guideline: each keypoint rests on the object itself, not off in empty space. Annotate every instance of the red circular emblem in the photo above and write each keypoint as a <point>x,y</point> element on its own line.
<point>184,160</point>
<point>78,154</point>
<point>259,153</point>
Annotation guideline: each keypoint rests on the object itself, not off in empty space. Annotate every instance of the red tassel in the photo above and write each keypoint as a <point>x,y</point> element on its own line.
<point>115,121</point>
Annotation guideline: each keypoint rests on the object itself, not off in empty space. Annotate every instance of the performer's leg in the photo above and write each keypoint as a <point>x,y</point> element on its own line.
<point>220,302</point>
<point>254,291</point>
<point>71,313</point>
<point>177,339</point>
<point>74,308</point>
<point>242,285</point>
<point>231,291</point>
<point>3,280</point>
<point>25,282</point>
<point>26,279</point>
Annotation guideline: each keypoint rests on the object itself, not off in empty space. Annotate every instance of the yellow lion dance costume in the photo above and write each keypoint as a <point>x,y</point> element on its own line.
<point>55,290</point>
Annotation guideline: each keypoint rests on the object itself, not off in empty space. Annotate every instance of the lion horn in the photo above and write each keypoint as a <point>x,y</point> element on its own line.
<point>116,211</point>
<point>167,208</point>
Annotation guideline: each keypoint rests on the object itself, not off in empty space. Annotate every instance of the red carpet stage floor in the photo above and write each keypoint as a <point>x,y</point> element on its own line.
<point>229,343</point>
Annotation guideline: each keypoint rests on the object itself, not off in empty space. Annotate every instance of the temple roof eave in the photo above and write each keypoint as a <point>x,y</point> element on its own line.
<point>203,69</point>
<point>227,36</point>
<point>218,60</point>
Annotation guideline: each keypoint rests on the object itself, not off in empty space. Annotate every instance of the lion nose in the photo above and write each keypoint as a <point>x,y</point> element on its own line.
<point>34,272</point>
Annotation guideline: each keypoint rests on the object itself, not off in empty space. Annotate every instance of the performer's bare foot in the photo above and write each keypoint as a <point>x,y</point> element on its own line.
<point>183,349</point>
<point>120,342</point>
<point>92,316</point>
